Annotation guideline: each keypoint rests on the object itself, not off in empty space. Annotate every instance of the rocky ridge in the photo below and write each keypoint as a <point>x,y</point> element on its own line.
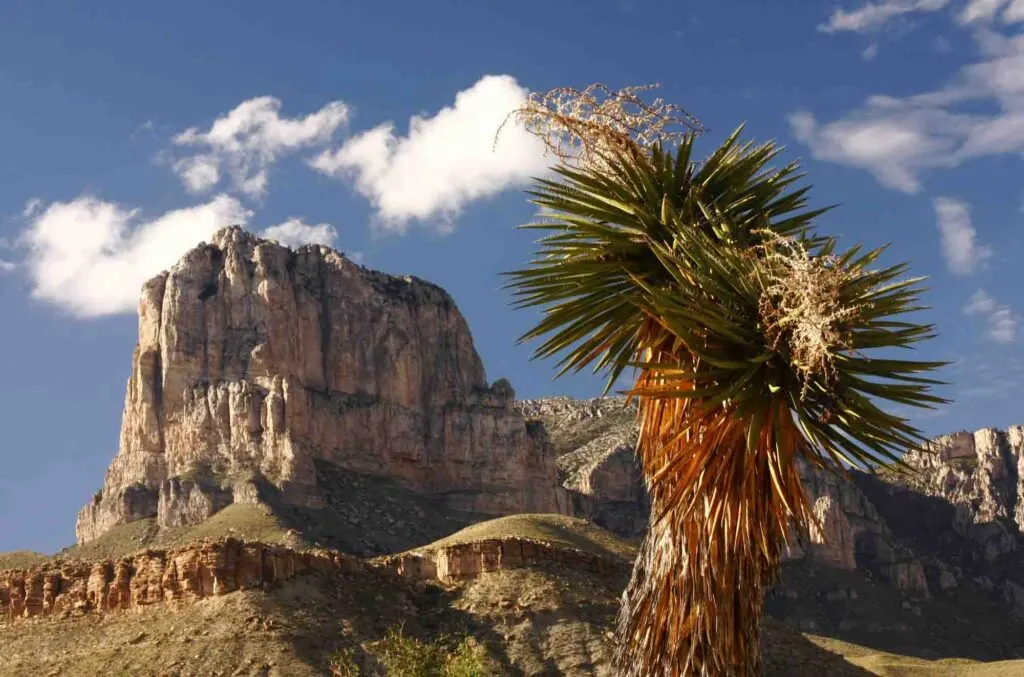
<point>254,361</point>
<point>211,569</point>
<point>953,523</point>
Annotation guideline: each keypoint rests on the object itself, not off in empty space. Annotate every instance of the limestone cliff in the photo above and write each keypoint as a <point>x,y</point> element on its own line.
<point>254,361</point>
<point>982,475</point>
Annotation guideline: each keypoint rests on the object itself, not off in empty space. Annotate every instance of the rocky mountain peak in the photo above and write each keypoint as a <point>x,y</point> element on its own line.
<point>255,362</point>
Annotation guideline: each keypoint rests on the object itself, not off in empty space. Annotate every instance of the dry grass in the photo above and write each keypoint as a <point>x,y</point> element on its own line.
<point>248,522</point>
<point>21,559</point>
<point>535,621</point>
<point>895,665</point>
<point>558,530</point>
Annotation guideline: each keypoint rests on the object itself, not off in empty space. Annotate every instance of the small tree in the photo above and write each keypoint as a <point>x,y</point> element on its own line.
<point>748,333</point>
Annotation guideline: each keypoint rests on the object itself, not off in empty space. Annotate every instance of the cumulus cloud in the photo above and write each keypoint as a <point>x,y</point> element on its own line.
<point>90,257</point>
<point>873,16</point>
<point>958,237</point>
<point>899,139</point>
<point>1001,322</point>
<point>7,266</point>
<point>444,161</point>
<point>247,141</point>
<point>199,173</point>
<point>1008,11</point>
<point>295,233</point>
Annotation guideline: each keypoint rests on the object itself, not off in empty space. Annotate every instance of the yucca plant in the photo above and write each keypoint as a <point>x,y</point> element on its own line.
<point>749,337</point>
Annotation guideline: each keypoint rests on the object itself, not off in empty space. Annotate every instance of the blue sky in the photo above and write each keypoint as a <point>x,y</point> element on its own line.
<point>130,132</point>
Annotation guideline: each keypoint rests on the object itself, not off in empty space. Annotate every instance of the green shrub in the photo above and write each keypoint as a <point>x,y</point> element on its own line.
<point>343,663</point>
<point>404,656</point>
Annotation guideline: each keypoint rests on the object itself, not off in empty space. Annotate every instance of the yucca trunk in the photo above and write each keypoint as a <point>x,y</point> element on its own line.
<point>721,509</point>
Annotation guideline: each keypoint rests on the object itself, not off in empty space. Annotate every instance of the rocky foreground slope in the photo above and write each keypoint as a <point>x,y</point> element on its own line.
<point>255,362</point>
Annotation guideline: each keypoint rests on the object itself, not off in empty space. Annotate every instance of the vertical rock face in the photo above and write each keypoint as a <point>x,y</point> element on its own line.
<point>254,360</point>
<point>981,475</point>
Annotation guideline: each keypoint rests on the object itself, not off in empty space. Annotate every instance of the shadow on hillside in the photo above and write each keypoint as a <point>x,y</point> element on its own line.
<point>329,613</point>
<point>925,523</point>
<point>365,515</point>
<point>863,607</point>
<point>787,653</point>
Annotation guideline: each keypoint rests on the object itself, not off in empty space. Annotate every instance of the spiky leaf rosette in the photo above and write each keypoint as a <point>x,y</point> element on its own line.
<point>751,336</point>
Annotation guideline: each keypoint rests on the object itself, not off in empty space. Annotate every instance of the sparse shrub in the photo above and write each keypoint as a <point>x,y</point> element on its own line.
<point>342,663</point>
<point>405,656</point>
<point>467,660</point>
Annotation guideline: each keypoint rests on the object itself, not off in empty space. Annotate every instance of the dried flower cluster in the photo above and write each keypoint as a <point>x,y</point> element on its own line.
<point>801,301</point>
<point>581,127</point>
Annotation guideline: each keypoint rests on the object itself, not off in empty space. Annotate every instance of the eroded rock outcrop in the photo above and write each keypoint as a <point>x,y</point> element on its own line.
<point>210,569</point>
<point>183,575</point>
<point>254,360</point>
<point>467,560</point>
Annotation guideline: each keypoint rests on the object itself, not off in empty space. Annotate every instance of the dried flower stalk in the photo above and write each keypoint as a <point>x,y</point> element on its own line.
<point>801,303</point>
<point>581,128</point>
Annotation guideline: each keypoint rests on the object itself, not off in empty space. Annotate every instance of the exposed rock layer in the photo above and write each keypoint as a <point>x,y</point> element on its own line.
<point>211,569</point>
<point>183,575</point>
<point>254,360</point>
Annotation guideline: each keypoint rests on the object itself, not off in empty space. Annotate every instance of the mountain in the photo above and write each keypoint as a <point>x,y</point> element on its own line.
<point>264,374</point>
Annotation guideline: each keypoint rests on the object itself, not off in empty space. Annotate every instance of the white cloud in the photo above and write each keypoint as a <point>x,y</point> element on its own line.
<point>245,142</point>
<point>899,139</point>
<point>958,237</point>
<point>445,161</point>
<point>894,146</point>
<point>31,208</point>
<point>980,303</point>
<point>870,52</point>
<point>1014,12</point>
<point>295,233</point>
<point>986,10</point>
<point>1002,325</point>
<point>1001,321</point>
<point>90,257</point>
<point>873,16</point>
<point>7,266</point>
<point>199,173</point>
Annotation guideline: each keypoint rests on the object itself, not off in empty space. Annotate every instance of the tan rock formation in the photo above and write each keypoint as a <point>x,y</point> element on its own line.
<point>182,575</point>
<point>254,360</point>
<point>214,568</point>
<point>468,560</point>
